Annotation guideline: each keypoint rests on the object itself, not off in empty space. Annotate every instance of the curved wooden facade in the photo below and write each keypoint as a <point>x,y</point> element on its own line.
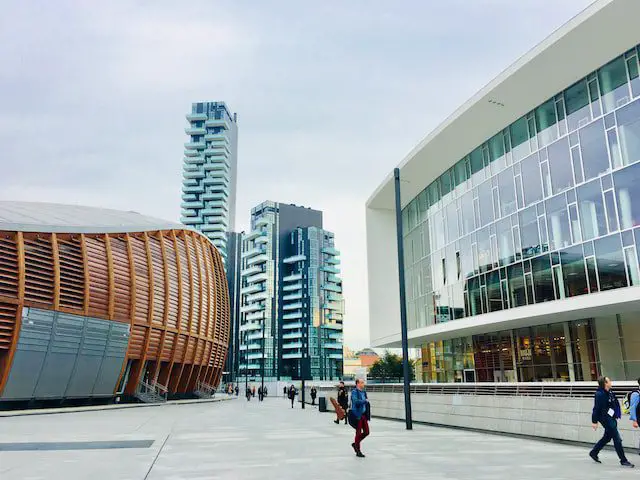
<point>168,285</point>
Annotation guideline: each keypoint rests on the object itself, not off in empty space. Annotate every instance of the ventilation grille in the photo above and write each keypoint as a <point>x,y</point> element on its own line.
<point>8,267</point>
<point>71,274</point>
<point>7,324</point>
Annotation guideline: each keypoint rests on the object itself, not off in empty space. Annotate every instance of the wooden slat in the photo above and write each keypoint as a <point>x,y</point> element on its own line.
<point>56,271</point>
<point>111,276</point>
<point>85,263</point>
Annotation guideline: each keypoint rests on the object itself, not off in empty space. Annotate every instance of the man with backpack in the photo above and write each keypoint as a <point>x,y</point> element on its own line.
<point>606,411</point>
<point>632,405</point>
<point>359,415</point>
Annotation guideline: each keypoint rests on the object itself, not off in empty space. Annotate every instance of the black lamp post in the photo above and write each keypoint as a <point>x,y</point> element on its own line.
<point>403,304</point>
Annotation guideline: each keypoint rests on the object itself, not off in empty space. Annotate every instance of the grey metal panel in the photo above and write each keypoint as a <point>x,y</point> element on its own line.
<point>33,344</point>
<point>113,361</point>
<point>92,349</point>
<point>61,358</point>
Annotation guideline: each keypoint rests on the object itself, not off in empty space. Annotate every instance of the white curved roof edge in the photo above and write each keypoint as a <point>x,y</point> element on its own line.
<point>563,58</point>
<point>40,217</point>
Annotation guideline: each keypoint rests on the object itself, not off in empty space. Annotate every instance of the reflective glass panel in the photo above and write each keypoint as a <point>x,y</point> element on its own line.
<point>593,146</point>
<point>592,215</point>
<point>560,166</point>
<point>629,132</point>
<point>610,262</point>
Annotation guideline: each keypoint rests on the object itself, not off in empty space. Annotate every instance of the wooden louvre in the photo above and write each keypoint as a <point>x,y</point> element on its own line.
<point>168,285</point>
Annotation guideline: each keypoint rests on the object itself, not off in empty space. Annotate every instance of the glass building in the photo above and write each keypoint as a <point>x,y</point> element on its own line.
<point>210,172</point>
<point>292,305</point>
<point>521,253</point>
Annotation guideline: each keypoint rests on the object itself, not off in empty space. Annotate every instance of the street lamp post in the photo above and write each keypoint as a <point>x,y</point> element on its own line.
<point>403,305</point>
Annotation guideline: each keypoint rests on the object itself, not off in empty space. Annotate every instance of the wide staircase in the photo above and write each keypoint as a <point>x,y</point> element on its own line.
<point>204,390</point>
<point>151,392</point>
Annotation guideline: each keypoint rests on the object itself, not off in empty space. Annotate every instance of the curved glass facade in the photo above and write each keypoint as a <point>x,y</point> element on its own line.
<point>548,208</point>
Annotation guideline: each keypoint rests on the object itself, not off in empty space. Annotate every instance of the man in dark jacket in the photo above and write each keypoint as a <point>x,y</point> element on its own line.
<point>606,411</point>
<point>314,394</point>
<point>343,401</point>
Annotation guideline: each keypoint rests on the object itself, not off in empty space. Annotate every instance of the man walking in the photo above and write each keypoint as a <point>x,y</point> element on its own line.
<point>359,403</point>
<point>292,394</point>
<point>248,393</point>
<point>260,394</point>
<point>343,401</point>
<point>314,394</point>
<point>284,392</point>
<point>606,411</point>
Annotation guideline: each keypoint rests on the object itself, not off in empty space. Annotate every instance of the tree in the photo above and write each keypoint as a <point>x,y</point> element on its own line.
<point>389,367</point>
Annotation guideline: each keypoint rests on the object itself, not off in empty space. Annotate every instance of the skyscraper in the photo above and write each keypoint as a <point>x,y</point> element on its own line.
<point>292,305</point>
<point>210,172</point>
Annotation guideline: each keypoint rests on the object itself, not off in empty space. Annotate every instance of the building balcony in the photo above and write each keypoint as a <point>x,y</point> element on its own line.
<point>247,272</point>
<point>258,278</point>
<point>262,240</point>
<point>292,306</point>
<point>292,316</point>
<point>295,259</point>
<point>255,234</point>
<point>332,306</point>
<point>330,251</point>
<point>333,279</point>
<point>189,197</point>
<point>334,315</point>
<point>333,326</point>
<point>253,252</point>
<point>292,346</point>
<point>192,153</point>
<point>214,201</point>
<point>255,316</point>
<point>293,278</point>
<point>258,259</point>
<point>189,213</point>
<point>255,356</point>
<point>255,335</point>
<point>292,335</point>
<point>334,297</point>
<point>292,287</point>
<point>195,130</point>
<point>333,345</point>
<point>292,296</point>
<point>220,182</point>
<point>251,289</point>
<point>191,220</point>
<point>218,227</point>
<point>218,151</point>
<point>195,117</point>
<point>190,161</point>
<point>195,189</point>
<point>292,326</point>
<point>215,164</point>
<point>262,295</point>
<point>331,287</point>
<point>254,307</point>
<point>332,260</point>
<point>194,145</point>
<point>210,137</point>
<point>336,336</point>
<point>336,356</point>
<point>247,327</point>
<point>252,366</point>
<point>222,122</point>
<point>330,269</point>
<point>194,174</point>
<point>251,346</point>
<point>216,212</point>
<point>192,205</point>
<point>288,356</point>
<point>261,222</point>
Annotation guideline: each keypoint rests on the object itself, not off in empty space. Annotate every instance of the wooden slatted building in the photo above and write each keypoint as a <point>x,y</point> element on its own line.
<point>76,282</point>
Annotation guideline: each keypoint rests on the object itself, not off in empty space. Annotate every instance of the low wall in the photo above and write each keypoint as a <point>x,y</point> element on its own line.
<point>548,417</point>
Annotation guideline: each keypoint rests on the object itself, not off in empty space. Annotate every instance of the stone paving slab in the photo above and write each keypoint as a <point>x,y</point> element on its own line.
<point>270,440</point>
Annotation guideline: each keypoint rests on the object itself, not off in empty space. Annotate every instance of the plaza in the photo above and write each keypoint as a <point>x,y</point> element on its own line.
<point>239,439</point>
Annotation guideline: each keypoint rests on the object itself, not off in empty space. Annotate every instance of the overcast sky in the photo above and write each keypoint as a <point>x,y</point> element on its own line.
<point>330,96</point>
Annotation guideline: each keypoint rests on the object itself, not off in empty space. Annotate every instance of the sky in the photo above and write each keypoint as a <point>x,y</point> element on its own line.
<point>330,97</point>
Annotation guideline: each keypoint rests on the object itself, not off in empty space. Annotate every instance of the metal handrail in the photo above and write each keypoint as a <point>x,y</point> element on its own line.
<point>154,388</point>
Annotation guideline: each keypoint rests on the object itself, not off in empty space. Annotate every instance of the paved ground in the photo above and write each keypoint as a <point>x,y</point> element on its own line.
<point>236,440</point>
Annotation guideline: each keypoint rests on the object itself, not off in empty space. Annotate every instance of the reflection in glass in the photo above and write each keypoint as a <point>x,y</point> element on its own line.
<point>573,270</point>
<point>485,199</point>
<point>531,179</point>
<point>507,194</point>
<point>543,283</point>
<point>592,216</point>
<point>629,130</point>
<point>516,285</point>
<point>610,262</point>
<point>519,133</point>
<point>546,123</point>
<point>613,84</point>
<point>560,166</point>
<point>576,99</point>
<point>595,159</point>
<point>506,254</point>
<point>558,222</point>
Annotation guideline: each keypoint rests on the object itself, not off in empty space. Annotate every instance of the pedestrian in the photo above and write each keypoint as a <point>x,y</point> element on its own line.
<point>292,394</point>
<point>359,409</point>
<point>634,406</point>
<point>265,391</point>
<point>314,394</point>
<point>343,401</point>
<point>260,394</point>
<point>237,390</point>
<point>284,392</point>
<point>253,391</point>
<point>606,411</point>
<point>248,394</point>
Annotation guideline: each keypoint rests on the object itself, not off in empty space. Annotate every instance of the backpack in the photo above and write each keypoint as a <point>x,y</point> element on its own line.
<point>626,403</point>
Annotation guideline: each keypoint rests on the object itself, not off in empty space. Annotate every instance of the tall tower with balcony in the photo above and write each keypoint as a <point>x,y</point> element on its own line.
<point>292,306</point>
<point>210,172</point>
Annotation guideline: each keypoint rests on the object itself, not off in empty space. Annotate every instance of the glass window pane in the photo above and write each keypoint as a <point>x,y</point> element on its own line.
<point>529,232</point>
<point>466,205</point>
<point>505,242</point>
<point>460,172</point>
<point>573,271</point>
<point>595,158</point>
<point>507,193</point>
<point>610,262</point>
<point>531,176</point>
<point>484,250</point>
<point>558,223</point>
<point>591,274</point>
<point>516,285</point>
<point>451,217</point>
<point>485,199</point>
<point>592,215</point>
<point>610,204</point>
<point>519,133</point>
<point>494,292</point>
<point>496,147</point>
<point>629,131</point>
<point>560,166</point>
<point>576,99</point>
<point>476,160</point>
<point>445,183</point>
<point>632,266</point>
<point>545,116</point>
<point>613,84</point>
<point>543,283</point>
